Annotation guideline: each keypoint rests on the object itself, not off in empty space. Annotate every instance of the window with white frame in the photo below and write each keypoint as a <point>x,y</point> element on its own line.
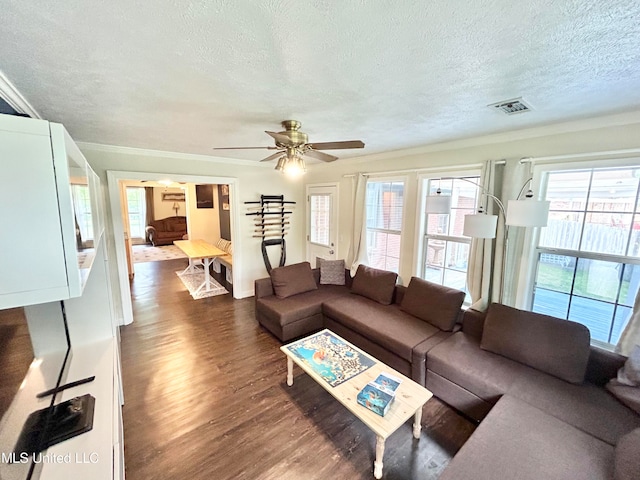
<point>445,252</point>
<point>384,207</point>
<point>82,207</point>
<point>137,206</point>
<point>588,256</point>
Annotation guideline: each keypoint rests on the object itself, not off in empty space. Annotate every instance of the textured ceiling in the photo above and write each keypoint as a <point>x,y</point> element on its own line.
<point>187,76</point>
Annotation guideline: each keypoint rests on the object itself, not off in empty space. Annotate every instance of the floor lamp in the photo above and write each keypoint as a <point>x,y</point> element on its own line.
<point>522,212</point>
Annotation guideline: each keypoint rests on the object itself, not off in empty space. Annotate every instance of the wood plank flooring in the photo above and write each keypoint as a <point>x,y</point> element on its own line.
<point>16,354</point>
<point>206,398</point>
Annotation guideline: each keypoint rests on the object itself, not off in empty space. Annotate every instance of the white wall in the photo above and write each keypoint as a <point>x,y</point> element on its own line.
<point>163,209</point>
<point>203,223</point>
<point>592,135</point>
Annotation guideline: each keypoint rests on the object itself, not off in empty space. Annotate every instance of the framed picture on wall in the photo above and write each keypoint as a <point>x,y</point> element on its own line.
<point>204,196</point>
<point>224,189</point>
<point>225,206</point>
<point>173,196</point>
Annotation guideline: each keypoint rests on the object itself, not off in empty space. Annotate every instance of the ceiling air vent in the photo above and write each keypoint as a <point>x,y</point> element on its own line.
<point>511,107</point>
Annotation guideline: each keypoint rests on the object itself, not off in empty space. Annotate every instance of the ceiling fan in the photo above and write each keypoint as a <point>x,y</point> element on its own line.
<point>292,145</point>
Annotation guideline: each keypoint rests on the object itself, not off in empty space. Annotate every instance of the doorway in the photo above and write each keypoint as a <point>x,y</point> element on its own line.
<point>117,201</point>
<point>322,222</point>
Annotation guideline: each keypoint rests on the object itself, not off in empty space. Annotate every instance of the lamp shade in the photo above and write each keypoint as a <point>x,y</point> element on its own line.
<point>438,204</point>
<point>480,225</point>
<point>527,213</point>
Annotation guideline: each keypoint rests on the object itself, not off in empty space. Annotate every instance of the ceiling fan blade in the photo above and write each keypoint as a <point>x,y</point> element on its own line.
<point>272,157</point>
<point>244,148</point>
<point>337,145</point>
<point>279,137</point>
<point>325,157</point>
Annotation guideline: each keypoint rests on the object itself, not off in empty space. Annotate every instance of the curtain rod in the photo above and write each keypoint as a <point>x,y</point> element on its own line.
<point>607,153</point>
<point>426,169</point>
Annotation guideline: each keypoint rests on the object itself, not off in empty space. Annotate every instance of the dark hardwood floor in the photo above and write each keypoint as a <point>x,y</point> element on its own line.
<point>206,397</point>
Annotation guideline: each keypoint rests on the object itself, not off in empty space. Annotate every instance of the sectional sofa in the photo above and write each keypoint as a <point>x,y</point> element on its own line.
<point>533,381</point>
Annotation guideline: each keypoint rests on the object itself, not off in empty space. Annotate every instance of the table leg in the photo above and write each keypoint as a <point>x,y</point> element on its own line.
<point>416,423</point>
<point>207,262</point>
<point>191,268</point>
<point>377,465</point>
<point>289,371</point>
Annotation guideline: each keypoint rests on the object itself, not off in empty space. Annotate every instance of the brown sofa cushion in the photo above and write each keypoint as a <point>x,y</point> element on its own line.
<point>557,347</point>
<point>292,279</point>
<point>377,285</point>
<point>433,303</point>
<point>626,463</point>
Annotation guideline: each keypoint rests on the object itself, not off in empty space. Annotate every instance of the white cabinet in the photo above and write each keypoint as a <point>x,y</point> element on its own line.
<point>44,256</point>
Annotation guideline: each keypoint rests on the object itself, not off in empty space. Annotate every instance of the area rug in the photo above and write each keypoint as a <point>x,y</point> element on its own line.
<point>193,280</point>
<point>146,253</point>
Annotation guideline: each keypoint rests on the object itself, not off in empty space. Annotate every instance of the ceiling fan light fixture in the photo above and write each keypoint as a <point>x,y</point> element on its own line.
<point>294,166</point>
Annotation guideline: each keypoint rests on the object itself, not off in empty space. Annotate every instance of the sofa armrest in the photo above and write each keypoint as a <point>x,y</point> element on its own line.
<point>263,288</point>
<point>603,365</point>
<point>473,323</point>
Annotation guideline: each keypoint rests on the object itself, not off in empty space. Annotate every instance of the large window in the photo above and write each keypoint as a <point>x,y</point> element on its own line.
<point>445,252</point>
<point>385,201</point>
<point>136,205</point>
<point>588,256</point>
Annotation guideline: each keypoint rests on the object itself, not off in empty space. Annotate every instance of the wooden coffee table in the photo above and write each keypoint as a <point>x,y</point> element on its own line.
<point>409,400</point>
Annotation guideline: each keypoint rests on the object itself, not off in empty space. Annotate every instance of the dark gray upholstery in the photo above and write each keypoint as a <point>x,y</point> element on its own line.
<point>520,441</point>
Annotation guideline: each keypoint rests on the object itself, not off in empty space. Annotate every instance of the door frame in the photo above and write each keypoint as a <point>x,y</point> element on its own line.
<point>307,214</point>
<point>115,202</point>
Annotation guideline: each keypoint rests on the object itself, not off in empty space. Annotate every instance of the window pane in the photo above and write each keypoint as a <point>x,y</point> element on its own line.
<point>568,190</point>
<point>597,279</point>
<point>433,274</point>
<point>563,230</point>
<point>606,233</point>
<point>457,256</point>
<point>550,303</point>
<point>435,252</point>
<point>613,190</point>
<point>555,272</point>
<point>630,284</point>
<point>620,321</point>
<point>384,224</point>
<point>437,224</point>
<point>596,315</point>
<point>320,213</point>
<point>455,279</point>
<point>634,241</point>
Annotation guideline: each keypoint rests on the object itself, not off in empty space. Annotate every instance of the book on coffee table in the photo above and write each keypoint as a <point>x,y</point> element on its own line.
<point>376,398</point>
<point>387,382</point>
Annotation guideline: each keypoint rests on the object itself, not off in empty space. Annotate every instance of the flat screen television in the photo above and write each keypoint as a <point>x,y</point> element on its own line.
<point>39,417</point>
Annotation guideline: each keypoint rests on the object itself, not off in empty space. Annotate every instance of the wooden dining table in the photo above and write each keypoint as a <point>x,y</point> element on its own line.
<point>200,253</point>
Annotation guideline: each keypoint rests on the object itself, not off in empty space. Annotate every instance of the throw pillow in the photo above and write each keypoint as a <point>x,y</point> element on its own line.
<point>292,280</point>
<point>626,462</point>
<point>433,303</point>
<point>378,285</point>
<point>331,272</point>
<point>552,345</point>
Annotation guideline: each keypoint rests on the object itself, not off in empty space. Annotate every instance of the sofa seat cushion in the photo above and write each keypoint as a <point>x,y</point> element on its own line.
<point>385,325</point>
<point>587,407</point>
<point>555,346</point>
<point>627,460</point>
<point>460,360</point>
<point>517,440</point>
<point>297,307</point>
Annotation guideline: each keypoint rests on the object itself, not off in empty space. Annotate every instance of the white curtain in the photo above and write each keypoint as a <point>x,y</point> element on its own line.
<point>481,250</point>
<point>358,248</point>
<point>631,333</point>
<point>514,177</point>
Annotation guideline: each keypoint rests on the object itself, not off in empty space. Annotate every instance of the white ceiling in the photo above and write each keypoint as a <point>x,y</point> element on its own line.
<point>187,76</point>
